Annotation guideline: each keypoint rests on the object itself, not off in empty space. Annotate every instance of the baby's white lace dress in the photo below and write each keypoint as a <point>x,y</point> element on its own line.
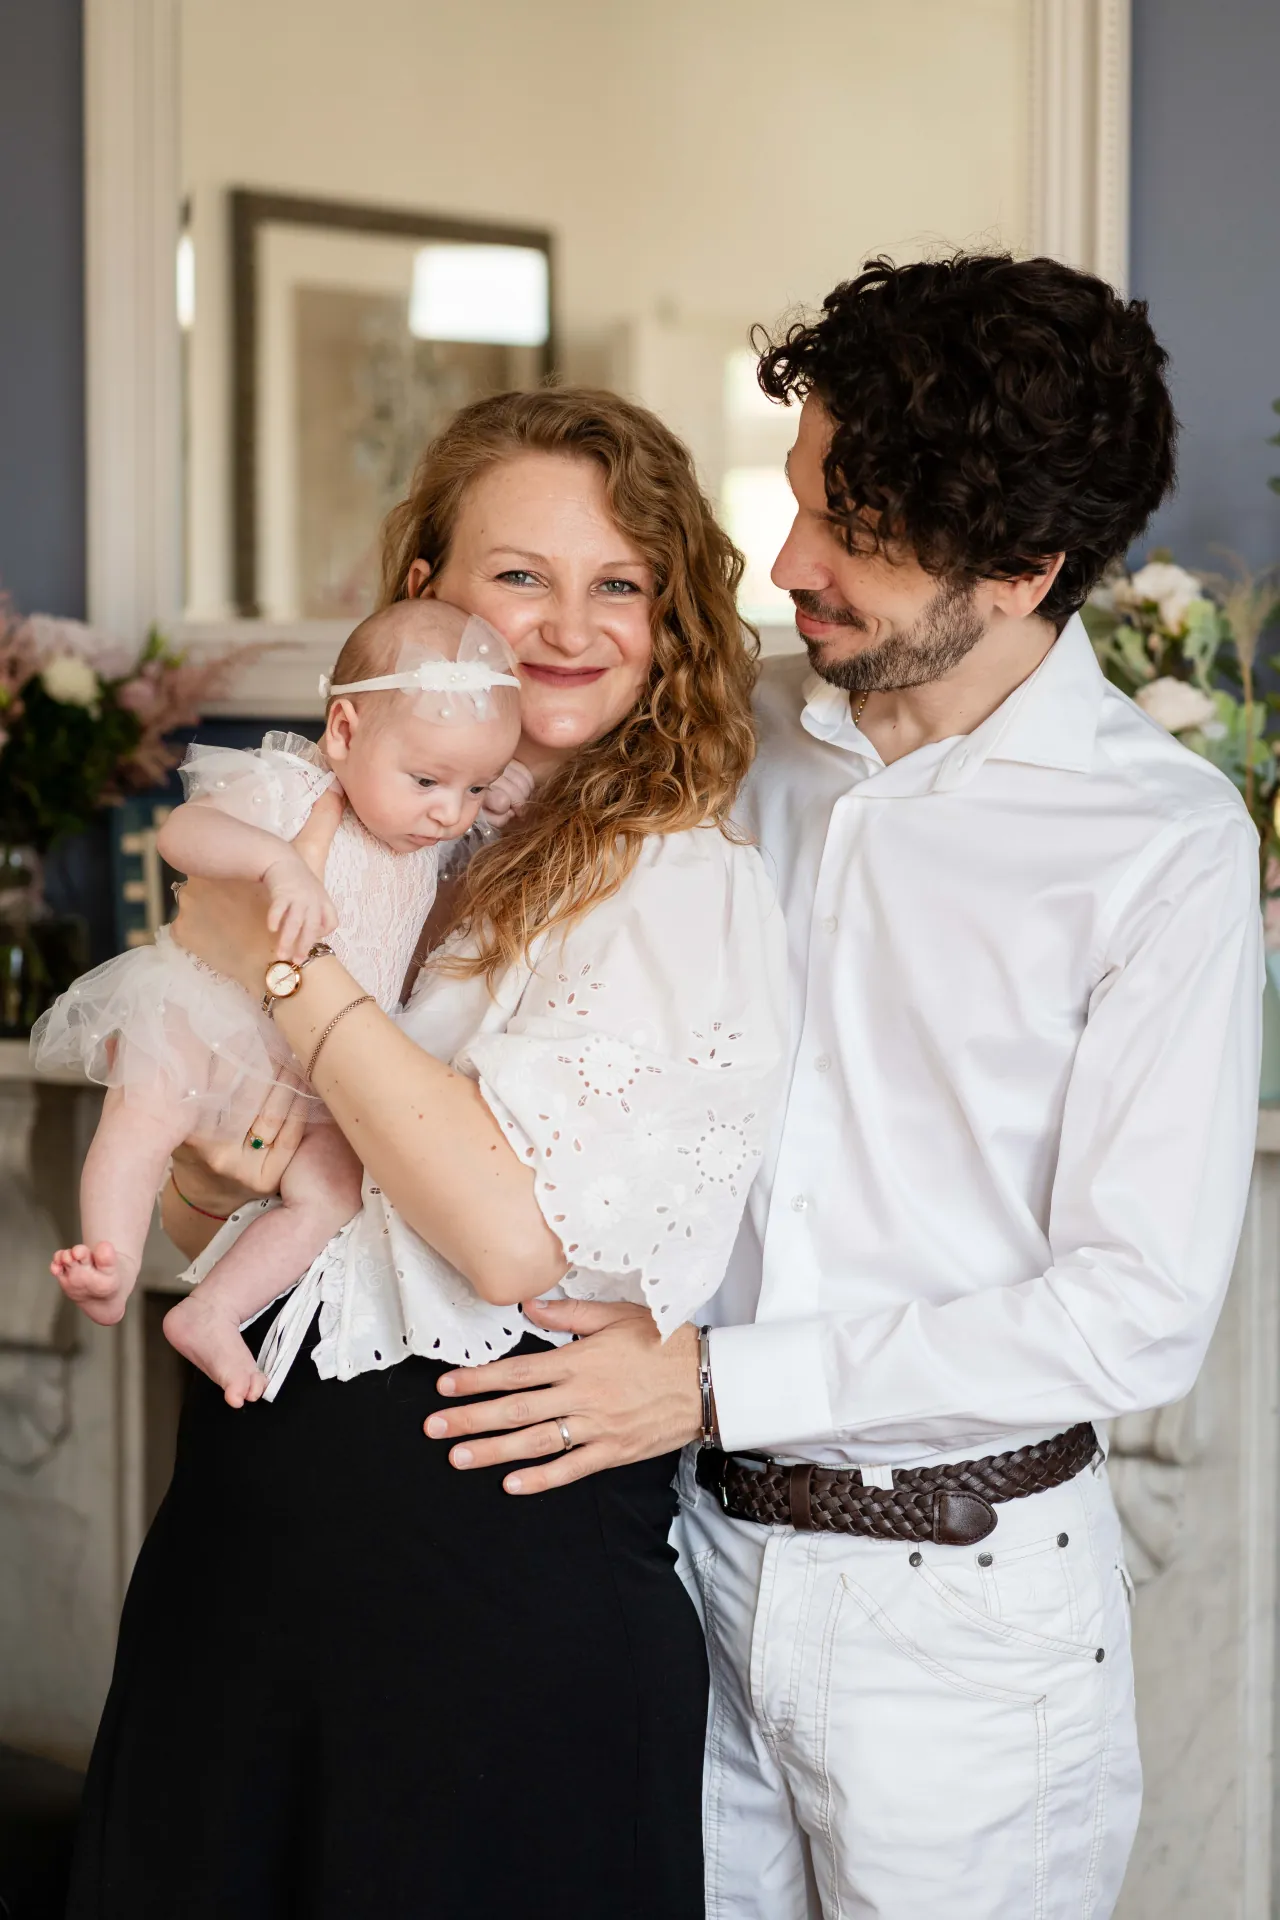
<point>157,1018</point>
<point>635,1066</point>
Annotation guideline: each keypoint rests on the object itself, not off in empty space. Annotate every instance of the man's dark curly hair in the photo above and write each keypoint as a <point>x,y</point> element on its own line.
<point>988,413</point>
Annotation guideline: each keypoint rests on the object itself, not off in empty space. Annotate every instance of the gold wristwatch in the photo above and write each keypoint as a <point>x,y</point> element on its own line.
<point>284,977</point>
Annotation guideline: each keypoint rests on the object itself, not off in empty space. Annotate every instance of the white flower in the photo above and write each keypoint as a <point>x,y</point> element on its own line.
<point>1168,588</point>
<point>70,680</point>
<point>603,1203</point>
<point>1176,705</point>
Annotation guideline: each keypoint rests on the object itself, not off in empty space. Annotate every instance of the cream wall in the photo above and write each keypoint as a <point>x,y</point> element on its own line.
<point>703,163</point>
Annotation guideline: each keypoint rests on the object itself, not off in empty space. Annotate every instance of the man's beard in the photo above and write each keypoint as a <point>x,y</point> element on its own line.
<point>935,642</point>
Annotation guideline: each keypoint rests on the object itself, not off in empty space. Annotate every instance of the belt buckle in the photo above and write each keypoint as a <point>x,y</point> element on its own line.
<point>751,1462</point>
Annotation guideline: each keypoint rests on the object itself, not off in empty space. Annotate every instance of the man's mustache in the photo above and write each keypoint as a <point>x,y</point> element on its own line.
<point>810,604</point>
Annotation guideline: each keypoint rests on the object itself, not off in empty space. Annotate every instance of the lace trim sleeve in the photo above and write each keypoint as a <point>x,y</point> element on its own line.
<point>640,1075</point>
<point>271,786</point>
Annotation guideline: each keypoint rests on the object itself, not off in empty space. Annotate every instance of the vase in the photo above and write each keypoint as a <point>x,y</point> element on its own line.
<point>41,952</point>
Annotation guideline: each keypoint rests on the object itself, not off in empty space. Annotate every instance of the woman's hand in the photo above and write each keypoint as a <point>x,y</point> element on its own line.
<point>212,1177</point>
<point>224,922</point>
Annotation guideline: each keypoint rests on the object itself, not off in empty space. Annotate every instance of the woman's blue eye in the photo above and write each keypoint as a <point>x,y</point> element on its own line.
<point>518,574</point>
<point>621,587</point>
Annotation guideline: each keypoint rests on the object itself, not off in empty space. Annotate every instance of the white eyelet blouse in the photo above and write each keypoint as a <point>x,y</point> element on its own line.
<point>635,1064</point>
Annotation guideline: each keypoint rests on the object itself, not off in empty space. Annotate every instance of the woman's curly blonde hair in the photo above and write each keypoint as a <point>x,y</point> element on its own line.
<point>679,757</point>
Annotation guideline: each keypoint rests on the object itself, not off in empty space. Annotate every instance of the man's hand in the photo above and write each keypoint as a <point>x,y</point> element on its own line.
<point>623,1394</point>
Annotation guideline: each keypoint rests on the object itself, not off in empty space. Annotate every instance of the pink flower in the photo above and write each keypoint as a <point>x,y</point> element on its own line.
<point>140,696</point>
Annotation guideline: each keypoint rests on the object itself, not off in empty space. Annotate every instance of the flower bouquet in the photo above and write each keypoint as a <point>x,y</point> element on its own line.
<point>84,721</point>
<point>1185,646</point>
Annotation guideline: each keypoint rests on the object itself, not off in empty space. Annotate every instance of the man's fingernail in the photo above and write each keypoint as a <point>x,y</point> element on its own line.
<point>462,1456</point>
<point>514,1484</point>
<point>437,1426</point>
<point>446,1385</point>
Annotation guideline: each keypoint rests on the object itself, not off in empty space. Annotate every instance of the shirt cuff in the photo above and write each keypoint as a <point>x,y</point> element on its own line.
<point>770,1383</point>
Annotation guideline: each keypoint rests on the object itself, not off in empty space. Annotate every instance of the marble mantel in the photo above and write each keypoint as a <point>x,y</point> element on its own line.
<point>1198,1486</point>
<point>1199,1489</point>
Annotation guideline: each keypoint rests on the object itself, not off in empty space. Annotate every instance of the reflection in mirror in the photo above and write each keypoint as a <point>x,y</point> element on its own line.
<point>373,209</point>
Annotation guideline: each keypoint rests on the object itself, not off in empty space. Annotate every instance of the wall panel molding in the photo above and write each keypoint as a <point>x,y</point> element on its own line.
<point>1080,118</point>
<point>133,402</point>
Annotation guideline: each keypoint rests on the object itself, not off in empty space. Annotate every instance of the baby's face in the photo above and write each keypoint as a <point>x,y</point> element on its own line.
<point>413,782</point>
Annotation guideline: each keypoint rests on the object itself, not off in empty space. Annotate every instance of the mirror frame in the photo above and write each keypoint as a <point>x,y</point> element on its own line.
<point>1078,87</point>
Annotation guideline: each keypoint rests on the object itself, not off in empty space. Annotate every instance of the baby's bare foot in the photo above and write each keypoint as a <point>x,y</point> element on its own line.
<point>96,1278</point>
<point>208,1333</point>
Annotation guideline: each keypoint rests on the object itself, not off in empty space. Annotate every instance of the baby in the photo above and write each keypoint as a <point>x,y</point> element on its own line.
<point>421,722</point>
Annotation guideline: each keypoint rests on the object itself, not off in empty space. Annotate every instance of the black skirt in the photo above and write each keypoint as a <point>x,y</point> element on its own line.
<point>353,1683</point>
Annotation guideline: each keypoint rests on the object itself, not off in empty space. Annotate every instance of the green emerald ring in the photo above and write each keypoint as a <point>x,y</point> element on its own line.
<point>255,1142</point>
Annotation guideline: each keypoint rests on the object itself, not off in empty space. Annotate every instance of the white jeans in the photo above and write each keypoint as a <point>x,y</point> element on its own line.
<point>932,1733</point>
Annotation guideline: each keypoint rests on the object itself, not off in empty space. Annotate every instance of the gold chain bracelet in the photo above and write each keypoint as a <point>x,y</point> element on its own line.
<point>363,1001</point>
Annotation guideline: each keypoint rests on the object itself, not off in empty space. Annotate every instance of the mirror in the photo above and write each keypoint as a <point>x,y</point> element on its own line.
<point>389,209</point>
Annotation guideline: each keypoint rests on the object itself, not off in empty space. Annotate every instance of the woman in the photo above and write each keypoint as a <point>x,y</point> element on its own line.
<point>351,1679</point>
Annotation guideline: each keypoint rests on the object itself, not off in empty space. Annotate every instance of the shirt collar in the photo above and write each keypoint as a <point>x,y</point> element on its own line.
<point>1051,720</point>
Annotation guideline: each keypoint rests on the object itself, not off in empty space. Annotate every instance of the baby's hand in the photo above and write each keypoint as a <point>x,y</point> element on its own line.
<point>301,911</point>
<point>95,1279</point>
<point>509,793</point>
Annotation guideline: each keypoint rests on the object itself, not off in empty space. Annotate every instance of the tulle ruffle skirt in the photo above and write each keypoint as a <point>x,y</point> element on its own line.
<point>157,1023</point>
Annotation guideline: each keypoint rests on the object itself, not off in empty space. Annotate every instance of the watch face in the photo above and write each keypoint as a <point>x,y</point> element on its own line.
<point>282,978</point>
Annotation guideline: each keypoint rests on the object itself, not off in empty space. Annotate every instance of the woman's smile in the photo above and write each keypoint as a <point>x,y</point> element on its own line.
<point>551,676</point>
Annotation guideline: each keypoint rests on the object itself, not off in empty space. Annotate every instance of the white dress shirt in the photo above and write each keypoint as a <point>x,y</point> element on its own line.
<point>1010,1176</point>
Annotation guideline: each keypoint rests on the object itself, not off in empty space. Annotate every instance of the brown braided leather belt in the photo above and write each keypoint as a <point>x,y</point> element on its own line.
<point>952,1504</point>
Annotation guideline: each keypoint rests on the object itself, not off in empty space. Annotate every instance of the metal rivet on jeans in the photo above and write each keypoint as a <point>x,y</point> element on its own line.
<point>1100,1655</point>
<point>984,1559</point>
<point>917,1559</point>
<point>1063,1539</point>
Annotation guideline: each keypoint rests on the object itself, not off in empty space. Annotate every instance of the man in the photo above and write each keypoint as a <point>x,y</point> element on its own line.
<point>1005,1194</point>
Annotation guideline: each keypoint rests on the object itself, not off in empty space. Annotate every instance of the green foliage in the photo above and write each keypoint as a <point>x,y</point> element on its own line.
<point>57,766</point>
<point>1227,749</point>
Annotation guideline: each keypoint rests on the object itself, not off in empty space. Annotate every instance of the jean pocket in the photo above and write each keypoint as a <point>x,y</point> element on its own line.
<point>943,1722</point>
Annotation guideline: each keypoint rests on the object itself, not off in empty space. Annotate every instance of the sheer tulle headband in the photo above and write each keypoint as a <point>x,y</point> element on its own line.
<point>483,664</point>
<point>430,676</point>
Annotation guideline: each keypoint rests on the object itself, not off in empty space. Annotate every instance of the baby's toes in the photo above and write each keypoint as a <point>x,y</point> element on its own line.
<point>79,1282</point>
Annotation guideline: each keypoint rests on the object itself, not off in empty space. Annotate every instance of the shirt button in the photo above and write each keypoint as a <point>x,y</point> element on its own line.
<point>823,1063</point>
<point>830,924</point>
<point>799,1202</point>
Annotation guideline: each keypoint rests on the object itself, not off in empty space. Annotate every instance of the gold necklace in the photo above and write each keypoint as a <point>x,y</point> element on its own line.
<point>862,707</point>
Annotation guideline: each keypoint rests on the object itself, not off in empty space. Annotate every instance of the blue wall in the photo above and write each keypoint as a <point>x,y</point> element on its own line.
<point>42,543</point>
<point>1206,255</point>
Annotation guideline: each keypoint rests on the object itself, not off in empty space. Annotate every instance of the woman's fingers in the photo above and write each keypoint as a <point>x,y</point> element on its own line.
<point>272,1116</point>
<point>292,1128</point>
